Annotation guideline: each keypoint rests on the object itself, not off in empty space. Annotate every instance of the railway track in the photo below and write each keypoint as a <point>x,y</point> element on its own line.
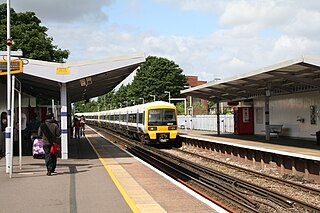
<point>278,185</point>
<point>234,194</point>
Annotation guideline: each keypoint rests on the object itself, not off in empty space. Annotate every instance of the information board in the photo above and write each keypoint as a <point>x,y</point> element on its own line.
<point>16,66</point>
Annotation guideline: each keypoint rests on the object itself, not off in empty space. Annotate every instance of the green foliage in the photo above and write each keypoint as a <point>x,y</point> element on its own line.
<point>154,76</point>
<point>180,108</point>
<point>29,36</point>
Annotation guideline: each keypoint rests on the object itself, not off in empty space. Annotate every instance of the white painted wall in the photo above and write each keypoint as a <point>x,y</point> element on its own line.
<point>286,110</point>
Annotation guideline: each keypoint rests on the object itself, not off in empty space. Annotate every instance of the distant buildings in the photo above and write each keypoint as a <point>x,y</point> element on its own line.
<point>200,106</point>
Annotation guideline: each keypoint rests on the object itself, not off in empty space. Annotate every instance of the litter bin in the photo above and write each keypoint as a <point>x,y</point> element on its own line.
<point>318,137</point>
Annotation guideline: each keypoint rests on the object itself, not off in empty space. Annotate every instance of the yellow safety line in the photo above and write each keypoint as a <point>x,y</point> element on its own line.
<point>125,195</point>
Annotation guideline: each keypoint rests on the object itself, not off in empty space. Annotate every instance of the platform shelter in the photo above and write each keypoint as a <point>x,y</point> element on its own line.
<point>66,83</point>
<point>282,98</point>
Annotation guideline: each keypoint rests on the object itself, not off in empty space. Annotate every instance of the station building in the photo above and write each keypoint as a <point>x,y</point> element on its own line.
<point>61,84</point>
<point>283,98</point>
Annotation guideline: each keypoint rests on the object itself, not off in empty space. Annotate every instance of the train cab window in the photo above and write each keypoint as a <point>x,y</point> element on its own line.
<point>161,117</point>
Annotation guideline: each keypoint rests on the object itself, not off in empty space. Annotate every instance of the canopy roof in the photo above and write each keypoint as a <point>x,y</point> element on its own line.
<point>293,76</point>
<point>84,80</point>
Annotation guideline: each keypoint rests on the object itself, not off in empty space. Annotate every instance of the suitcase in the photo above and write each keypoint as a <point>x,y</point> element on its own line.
<point>37,148</point>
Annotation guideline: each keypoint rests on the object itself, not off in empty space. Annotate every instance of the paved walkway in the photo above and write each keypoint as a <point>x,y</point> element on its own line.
<point>103,179</point>
<point>80,185</point>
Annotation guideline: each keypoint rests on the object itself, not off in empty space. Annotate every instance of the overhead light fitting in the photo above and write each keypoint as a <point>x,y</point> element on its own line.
<point>86,81</point>
<point>83,82</point>
<point>89,80</point>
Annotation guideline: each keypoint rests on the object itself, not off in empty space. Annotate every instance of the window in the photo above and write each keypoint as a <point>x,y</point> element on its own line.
<point>141,118</point>
<point>259,115</point>
<point>158,117</point>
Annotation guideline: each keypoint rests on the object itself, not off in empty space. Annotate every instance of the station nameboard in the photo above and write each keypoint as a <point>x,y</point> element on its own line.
<point>16,66</point>
<point>63,70</point>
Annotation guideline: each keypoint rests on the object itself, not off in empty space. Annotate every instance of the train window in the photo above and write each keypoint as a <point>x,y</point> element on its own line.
<point>140,118</point>
<point>143,117</point>
<point>133,118</point>
<point>162,117</point>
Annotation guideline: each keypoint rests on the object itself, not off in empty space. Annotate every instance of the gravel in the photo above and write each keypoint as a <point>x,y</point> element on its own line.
<point>271,170</point>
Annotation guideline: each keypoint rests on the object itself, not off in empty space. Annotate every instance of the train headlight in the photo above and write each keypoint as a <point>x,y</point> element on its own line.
<point>153,128</point>
<point>172,128</point>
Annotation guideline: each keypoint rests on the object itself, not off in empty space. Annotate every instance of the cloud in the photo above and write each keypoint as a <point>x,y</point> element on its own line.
<point>63,11</point>
<point>249,34</point>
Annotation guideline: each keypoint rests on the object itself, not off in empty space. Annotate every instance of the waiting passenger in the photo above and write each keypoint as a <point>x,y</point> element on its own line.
<point>82,125</point>
<point>76,126</point>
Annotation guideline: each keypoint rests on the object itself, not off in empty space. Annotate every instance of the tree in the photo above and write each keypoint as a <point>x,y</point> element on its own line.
<point>29,36</point>
<point>155,76</point>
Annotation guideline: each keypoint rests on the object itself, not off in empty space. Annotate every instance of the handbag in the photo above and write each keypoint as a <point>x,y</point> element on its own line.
<point>55,148</point>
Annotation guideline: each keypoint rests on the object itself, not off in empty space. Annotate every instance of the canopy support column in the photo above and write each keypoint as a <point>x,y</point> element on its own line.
<point>218,117</point>
<point>266,113</point>
<point>64,121</point>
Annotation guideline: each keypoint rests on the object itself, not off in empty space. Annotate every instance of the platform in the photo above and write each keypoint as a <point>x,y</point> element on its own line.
<point>112,182</point>
<point>300,148</point>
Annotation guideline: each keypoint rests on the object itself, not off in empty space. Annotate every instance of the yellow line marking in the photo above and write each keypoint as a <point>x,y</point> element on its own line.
<point>124,194</point>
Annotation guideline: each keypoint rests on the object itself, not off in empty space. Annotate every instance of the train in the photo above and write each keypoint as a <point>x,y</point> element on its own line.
<point>150,123</point>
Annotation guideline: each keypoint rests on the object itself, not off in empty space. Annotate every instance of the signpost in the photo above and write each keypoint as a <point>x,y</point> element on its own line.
<point>16,66</point>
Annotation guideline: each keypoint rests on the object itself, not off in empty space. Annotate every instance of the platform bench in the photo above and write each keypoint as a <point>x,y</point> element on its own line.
<point>275,129</point>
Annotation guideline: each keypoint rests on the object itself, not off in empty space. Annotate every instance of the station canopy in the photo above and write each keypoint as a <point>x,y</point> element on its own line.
<point>83,80</point>
<point>293,76</point>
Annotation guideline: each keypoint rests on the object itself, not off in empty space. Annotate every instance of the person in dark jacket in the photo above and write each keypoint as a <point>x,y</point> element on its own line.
<point>49,125</point>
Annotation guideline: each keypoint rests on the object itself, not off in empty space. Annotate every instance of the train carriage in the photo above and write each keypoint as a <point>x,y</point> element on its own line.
<point>151,123</point>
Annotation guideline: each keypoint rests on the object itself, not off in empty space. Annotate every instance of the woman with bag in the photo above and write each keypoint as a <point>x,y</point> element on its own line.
<point>50,132</point>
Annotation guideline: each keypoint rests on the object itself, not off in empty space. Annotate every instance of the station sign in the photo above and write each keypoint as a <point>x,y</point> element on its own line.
<point>16,66</point>
<point>63,70</point>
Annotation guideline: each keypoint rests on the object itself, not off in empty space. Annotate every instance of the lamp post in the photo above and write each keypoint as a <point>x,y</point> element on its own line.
<point>169,95</point>
<point>190,101</point>
<point>142,100</point>
<point>154,97</point>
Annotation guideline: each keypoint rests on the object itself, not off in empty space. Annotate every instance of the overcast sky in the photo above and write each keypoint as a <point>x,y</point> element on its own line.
<point>211,39</point>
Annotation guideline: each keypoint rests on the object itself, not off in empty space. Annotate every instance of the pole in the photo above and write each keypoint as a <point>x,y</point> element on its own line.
<point>8,130</point>
<point>8,65</point>
<point>191,108</point>
<point>20,132</point>
<point>11,130</point>
<point>218,117</point>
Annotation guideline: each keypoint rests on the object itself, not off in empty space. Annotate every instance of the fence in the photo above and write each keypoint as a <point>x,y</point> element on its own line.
<point>206,122</point>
